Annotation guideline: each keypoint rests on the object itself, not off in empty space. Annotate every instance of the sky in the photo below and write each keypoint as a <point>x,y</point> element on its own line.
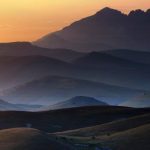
<point>28,20</point>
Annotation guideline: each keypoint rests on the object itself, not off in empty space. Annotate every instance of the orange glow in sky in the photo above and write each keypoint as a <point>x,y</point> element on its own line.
<point>28,20</point>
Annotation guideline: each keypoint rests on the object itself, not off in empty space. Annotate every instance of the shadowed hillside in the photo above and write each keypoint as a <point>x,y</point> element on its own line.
<point>28,139</point>
<point>136,138</point>
<point>110,128</point>
<point>67,119</point>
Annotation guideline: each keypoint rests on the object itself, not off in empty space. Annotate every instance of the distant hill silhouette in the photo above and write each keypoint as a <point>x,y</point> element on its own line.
<point>78,101</point>
<point>27,49</point>
<point>139,101</point>
<point>132,55</point>
<point>5,106</point>
<point>107,29</point>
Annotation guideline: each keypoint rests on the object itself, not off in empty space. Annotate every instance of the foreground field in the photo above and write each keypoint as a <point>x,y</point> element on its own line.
<point>67,119</point>
<point>28,139</point>
<point>83,128</point>
<point>126,134</point>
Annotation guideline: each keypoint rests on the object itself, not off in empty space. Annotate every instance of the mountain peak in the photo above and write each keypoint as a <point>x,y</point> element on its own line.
<point>108,11</point>
<point>148,11</point>
<point>80,98</point>
<point>137,12</point>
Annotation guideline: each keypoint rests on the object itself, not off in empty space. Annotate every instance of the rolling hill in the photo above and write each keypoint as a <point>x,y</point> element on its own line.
<point>127,133</point>
<point>109,128</point>
<point>67,119</point>
<point>136,138</point>
<point>28,139</point>
<point>78,101</point>
<point>107,29</point>
<point>53,89</point>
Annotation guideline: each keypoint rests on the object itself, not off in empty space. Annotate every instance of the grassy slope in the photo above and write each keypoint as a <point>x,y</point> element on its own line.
<point>133,139</point>
<point>27,139</point>
<point>109,128</point>
<point>128,134</point>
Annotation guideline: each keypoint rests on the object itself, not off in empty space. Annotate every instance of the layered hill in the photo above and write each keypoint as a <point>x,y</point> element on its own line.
<point>116,71</point>
<point>136,56</point>
<point>107,29</point>
<point>52,89</point>
<point>78,101</point>
<point>27,49</point>
<point>19,70</point>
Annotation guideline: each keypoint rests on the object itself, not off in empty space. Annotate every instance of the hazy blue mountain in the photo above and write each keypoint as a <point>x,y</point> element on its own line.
<point>78,101</point>
<point>98,60</point>
<point>95,66</point>
<point>53,89</point>
<point>136,56</point>
<point>107,29</point>
<point>5,106</point>
<point>139,101</point>
<point>19,70</point>
<point>114,70</point>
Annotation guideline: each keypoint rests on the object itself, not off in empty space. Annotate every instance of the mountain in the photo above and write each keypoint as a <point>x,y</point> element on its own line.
<point>5,106</point>
<point>136,56</point>
<point>139,101</point>
<point>78,101</point>
<point>107,29</point>
<point>53,89</point>
<point>28,139</point>
<point>27,49</point>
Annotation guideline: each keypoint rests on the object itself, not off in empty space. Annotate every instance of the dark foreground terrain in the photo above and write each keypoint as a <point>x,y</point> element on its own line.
<point>83,128</point>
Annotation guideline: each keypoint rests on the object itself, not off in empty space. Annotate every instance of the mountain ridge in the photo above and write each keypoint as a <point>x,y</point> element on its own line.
<point>117,30</point>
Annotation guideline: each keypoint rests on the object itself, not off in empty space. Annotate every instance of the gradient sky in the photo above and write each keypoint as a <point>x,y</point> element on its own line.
<point>27,20</point>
